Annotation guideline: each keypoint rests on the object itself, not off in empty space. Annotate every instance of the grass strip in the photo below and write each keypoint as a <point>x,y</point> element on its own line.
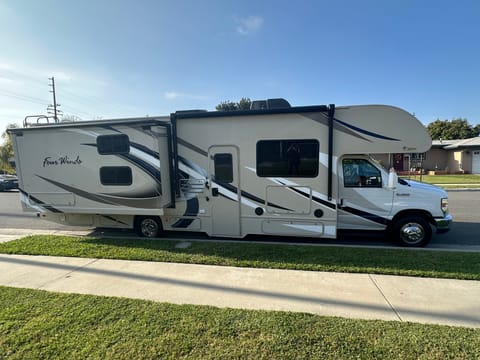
<point>436,264</point>
<point>447,179</point>
<point>41,325</point>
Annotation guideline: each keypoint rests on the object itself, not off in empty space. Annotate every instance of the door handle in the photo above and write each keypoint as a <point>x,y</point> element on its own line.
<point>214,191</point>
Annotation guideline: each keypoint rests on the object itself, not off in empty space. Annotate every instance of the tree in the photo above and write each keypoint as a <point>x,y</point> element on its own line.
<point>452,130</point>
<point>6,151</point>
<point>243,104</point>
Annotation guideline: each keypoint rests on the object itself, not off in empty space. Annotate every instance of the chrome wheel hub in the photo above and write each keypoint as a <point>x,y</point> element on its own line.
<point>149,228</point>
<point>412,233</point>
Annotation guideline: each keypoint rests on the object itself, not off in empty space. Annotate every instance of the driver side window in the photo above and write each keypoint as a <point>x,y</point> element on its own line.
<point>360,173</point>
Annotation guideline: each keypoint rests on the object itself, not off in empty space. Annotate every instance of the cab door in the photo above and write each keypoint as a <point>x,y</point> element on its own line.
<point>365,202</point>
<point>224,190</point>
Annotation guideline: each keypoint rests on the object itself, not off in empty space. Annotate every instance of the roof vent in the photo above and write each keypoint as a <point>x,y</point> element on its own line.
<point>270,104</point>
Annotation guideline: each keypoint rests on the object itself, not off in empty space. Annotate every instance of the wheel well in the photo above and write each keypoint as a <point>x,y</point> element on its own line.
<point>422,213</point>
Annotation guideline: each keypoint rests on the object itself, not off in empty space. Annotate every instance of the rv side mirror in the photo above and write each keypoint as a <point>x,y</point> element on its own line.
<point>392,179</point>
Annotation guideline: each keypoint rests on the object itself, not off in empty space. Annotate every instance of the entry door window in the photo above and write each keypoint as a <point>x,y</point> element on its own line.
<point>223,164</point>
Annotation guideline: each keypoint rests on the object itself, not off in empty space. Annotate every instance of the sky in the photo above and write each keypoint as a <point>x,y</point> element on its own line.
<point>126,58</point>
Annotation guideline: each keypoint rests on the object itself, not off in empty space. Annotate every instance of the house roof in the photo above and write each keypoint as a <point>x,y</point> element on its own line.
<point>472,142</point>
<point>442,143</point>
<point>456,144</point>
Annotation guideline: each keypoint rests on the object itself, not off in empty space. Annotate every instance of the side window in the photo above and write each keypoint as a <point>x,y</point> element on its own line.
<point>287,158</point>
<point>113,144</point>
<point>116,175</point>
<point>223,168</point>
<point>360,173</point>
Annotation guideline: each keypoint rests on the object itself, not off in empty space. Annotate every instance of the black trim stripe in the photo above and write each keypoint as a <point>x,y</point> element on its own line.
<point>114,220</point>
<point>191,210</point>
<point>252,197</point>
<point>369,133</point>
<point>136,202</point>
<point>192,147</point>
<point>366,215</point>
<point>41,203</point>
<point>314,198</point>
<point>146,167</point>
<point>145,149</point>
<point>193,166</point>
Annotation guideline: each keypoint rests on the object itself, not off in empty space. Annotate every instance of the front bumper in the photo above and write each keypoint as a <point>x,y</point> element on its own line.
<point>443,224</point>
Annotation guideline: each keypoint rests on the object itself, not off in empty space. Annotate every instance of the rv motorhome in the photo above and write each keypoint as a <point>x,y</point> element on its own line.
<point>276,170</point>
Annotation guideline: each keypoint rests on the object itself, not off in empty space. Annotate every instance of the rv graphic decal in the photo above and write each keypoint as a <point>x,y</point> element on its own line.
<point>147,162</point>
<point>306,195</point>
<point>347,128</point>
<point>37,204</point>
<point>366,215</point>
<point>111,218</point>
<point>369,133</point>
<point>191,210</point>
<point>136,202</point>
<point>226,190</point>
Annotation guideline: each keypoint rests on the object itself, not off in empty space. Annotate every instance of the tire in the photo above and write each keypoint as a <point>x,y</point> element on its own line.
<point>148,226</point>
<point>412,231</point>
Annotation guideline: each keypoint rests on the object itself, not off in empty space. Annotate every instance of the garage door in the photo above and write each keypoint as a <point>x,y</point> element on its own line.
<point>476,162</point>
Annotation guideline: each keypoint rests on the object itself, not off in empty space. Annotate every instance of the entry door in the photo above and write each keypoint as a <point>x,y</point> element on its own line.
<point>224,190</point>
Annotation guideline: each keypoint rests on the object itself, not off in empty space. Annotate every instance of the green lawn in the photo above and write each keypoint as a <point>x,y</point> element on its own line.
<point>41,325</point>
<point>448,179</point>
<point>438,264</point>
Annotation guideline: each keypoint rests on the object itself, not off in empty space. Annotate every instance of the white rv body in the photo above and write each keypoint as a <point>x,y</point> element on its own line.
<point>297,171</point>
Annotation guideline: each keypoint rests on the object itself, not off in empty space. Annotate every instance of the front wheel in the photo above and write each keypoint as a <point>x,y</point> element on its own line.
<point>412,231</point>
<point>148,226</point>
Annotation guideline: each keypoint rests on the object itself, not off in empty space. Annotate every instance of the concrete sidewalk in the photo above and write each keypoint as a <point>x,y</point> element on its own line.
<point>363,296</point>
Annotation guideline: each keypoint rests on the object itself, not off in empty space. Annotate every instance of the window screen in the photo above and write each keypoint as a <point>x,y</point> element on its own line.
<point>116,175</point>
<point>223,168</point>
<point>287,158</point>
<point>113,144</point>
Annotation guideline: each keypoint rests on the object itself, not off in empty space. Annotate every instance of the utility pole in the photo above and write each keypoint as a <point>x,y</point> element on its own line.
<point>55,112</point>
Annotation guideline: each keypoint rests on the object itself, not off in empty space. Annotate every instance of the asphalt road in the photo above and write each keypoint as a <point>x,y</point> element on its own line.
<point>464,233</point>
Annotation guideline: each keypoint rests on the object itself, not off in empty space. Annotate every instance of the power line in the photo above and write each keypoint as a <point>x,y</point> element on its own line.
<point>31,99</point>
<point>78,111</point>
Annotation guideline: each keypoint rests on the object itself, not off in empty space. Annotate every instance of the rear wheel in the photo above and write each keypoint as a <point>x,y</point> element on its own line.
<point>412,231</point>
<point>148,226</point>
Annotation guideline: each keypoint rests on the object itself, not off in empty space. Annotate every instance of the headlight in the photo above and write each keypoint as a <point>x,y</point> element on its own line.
<point>444,205</point>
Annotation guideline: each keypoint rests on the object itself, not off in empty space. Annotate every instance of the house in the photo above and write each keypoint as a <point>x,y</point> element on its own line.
<point>444,157</point>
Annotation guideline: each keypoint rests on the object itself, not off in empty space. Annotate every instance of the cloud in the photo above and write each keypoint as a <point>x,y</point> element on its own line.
<point>249,25</point>
<point>5,66</point>
<point>173,95</point>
